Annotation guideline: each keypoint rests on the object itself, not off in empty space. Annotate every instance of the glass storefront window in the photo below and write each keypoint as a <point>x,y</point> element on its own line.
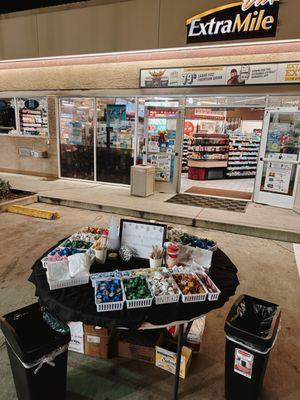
<point>7,116</point>
<point>76,121</point>
<point>115,139</point>
<point>282,151</point>
<point>284,101</point>
<point>33,116</point>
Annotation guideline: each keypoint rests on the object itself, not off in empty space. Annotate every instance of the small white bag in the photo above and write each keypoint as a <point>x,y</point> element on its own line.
<point>79,265</point>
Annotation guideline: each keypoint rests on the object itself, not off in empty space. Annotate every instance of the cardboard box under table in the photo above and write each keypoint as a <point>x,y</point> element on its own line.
<point>139,345</point>
<point>99,342</point>
<point>166,356</point>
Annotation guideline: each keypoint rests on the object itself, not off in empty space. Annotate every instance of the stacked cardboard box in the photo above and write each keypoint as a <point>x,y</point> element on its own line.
<point>91,340</point>
<point>139,345</point>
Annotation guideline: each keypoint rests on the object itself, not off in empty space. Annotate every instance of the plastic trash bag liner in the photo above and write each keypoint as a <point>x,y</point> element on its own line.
<point>254,317</point>
<point>54,323</point>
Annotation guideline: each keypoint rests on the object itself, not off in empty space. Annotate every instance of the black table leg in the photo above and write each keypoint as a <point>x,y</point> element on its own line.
<point>179,347</point>
<point>180,342</point>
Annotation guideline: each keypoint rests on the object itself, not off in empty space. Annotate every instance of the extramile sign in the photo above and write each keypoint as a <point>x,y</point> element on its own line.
<point>247,19</point>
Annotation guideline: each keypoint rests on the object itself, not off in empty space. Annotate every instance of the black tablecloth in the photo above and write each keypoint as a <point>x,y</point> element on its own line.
<point>77,303</point>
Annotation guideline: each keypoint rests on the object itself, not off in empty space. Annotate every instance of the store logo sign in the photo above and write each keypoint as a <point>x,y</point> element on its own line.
<point>241,20</point>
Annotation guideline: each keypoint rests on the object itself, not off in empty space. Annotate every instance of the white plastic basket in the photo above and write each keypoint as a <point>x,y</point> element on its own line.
<point>193,298</point>
<point>166,298</point>
<point>68,282</point>
<point>54,264</point>
<point>113,306</point>
<point>109,306</point>
<point>211,296</point>
<point>138,303</point>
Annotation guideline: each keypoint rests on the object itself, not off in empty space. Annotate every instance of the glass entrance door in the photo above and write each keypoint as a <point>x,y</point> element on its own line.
<point>278,166</point>
<point>115,139</point>
<point>76,125</point>
<point>163,137</point>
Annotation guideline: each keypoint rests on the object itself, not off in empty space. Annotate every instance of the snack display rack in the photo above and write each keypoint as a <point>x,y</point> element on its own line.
<point>208,145</point>
<point>34,122</point>
<point>185,153</point>
<point>243,157</point>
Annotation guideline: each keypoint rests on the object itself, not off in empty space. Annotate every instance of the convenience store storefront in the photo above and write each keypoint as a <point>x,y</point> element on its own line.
<point>97,112</point>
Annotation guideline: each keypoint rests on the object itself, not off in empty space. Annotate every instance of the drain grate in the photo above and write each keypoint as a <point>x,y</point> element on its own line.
<point>209,202</point>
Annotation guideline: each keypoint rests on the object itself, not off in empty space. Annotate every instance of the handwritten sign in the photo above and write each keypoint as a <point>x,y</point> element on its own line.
<point>142,236</point>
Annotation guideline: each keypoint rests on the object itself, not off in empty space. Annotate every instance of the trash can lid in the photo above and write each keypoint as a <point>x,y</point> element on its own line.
<point>253,320</point>
<point>29,336</point>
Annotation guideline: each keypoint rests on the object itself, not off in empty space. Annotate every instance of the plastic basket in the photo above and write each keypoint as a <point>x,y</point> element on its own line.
<point>55,264</point>
<point>109,306</point>
<point>68,282</point>
<point>113,306</point>
<point>193,298</point>
<point>138,303</point>
<point>211,296</point>
<point>166,298</point>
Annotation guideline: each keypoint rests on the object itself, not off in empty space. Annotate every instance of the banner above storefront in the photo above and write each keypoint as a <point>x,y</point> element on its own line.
<point>230,75</point>
<point>247,19</point>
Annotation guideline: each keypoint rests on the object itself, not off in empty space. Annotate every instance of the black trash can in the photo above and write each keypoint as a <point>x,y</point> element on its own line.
<point>251,330</point>
<point>38,354</point>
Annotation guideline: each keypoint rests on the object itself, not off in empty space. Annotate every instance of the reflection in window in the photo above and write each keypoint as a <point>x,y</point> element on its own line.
<point>7,116</point>
<point>115,139</point>
<point>33,114</point>
<point>76,119</point>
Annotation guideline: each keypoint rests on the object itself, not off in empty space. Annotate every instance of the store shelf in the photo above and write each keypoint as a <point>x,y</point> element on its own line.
<point>243,157</point>
<point>207,164</point>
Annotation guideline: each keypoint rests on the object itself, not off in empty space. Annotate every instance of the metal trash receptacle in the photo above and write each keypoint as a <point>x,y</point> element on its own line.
<point>38,354</point>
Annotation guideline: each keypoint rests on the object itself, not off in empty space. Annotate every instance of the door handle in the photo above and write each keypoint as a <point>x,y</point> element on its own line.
<point>176,154</point>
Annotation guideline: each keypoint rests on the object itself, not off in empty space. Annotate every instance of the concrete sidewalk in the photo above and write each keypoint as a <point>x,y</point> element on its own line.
<point>258,220</point>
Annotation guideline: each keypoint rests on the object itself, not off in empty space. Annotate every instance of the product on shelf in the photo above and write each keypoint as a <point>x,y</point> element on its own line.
<point>207,152</point>
<point>243,156</point>
<point>33,122</point>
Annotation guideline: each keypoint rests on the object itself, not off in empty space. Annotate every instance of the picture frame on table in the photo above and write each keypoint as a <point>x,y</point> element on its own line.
<point>141,236</point>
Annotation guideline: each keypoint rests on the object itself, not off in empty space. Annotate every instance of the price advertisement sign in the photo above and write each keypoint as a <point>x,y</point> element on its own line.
<point>278,174</point>
<point>229,75</point>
